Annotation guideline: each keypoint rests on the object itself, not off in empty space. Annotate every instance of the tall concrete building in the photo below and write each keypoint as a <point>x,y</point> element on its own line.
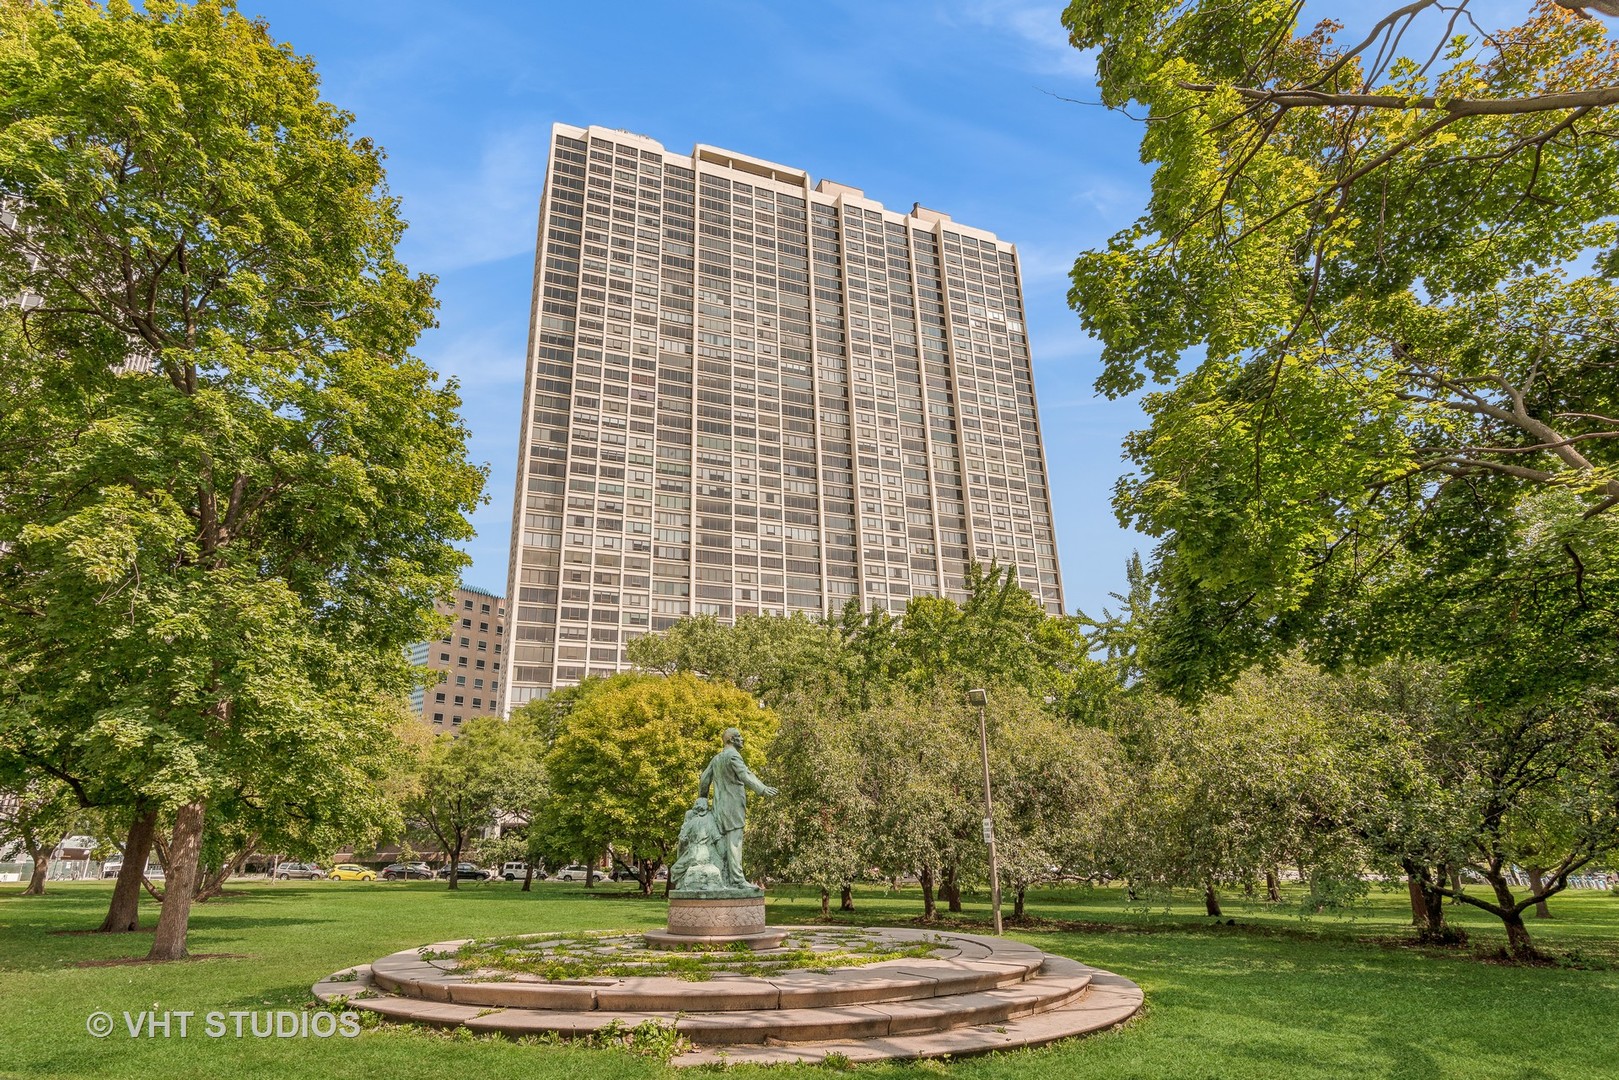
<point>748,392</point>
<point>470,656</point>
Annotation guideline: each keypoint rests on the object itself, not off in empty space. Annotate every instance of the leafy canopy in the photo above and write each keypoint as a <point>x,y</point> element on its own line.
<point>1376,281</point>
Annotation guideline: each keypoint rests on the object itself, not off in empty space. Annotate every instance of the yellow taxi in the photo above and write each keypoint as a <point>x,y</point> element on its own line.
<point>351,872</point>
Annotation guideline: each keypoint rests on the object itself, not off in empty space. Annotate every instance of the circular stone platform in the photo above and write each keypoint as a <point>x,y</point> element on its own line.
<point>704,920</point>
<point>946,994</point>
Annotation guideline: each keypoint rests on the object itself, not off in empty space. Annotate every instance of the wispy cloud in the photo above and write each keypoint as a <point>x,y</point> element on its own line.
<point>1042,39</point>
<point>463,216</point>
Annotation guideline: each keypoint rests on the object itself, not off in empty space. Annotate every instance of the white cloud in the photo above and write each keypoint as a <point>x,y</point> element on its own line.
<point>1046,49</point>
<point>463,216</point>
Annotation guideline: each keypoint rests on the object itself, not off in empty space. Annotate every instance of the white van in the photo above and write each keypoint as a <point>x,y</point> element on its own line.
<point>512,871</point>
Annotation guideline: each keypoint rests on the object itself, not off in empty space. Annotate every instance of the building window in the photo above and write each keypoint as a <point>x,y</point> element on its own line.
<point>438,698</point>
<point>438,718</point>
<point>444,657</point>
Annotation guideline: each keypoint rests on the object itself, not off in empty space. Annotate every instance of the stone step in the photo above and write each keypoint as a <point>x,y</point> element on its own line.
<point>1059,983</point>
<point>1109,1000</point>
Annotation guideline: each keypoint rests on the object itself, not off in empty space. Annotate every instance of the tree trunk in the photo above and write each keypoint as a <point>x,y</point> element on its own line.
<point>123,913</point>
<point>211,884</point>
<point>1455,883</point>
<point>645,877</point>
<point>930,911</point>
<point>528,876</point>
<point>42,865</point>
<point>1419,909</point>
<point>1211,902</point>
<point>950,887</point>
<point>846,901</point>
<point>1017,903</point>
<point>455,862</point>
<point>826,902</point>
<point>590,875</point>
<point>1273,887</point>
<point>1427,904</point>
<point>185,852</point>
<point>1537,882</point>
<point>1518,943</point>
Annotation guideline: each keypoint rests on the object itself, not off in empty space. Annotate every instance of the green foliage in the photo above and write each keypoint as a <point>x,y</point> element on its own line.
<point>625,754</point>
<point>461,783</point>
<point>1283,771</point>
<point>245,537</point>
<point>1378,285</point>
<point>998,635</point>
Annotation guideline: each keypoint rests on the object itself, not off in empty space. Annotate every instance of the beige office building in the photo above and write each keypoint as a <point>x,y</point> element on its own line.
<point>470,657</point>
<point>748,392</point>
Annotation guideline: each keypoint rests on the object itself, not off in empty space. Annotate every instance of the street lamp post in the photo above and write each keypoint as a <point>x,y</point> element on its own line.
<point>980,698</point>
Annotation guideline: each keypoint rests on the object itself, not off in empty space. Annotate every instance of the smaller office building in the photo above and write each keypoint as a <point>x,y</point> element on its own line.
<point>468,659</point>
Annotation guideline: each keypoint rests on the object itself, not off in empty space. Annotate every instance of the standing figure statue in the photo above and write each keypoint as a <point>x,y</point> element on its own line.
<point>729,779</point>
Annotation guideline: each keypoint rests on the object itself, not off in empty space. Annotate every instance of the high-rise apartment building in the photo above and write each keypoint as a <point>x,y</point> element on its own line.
<point>751,393</point>
<point>470,656</point>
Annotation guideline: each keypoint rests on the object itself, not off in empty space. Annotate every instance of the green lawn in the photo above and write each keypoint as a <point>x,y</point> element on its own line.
<point>1272,996</point>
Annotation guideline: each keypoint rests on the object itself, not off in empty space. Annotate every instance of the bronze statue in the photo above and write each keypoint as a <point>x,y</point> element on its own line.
<point>697,853</point>
<point>729,780</point>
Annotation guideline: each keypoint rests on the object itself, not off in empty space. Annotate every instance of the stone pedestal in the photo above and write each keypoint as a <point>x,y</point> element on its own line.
<point>716,920</point>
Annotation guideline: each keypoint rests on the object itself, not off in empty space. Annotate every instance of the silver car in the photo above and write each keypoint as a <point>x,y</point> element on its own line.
<point>288,870</point>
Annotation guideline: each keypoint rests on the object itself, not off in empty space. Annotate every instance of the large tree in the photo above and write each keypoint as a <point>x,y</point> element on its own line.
<point>252,490</point>
<point>1376,274</point>
<point>624,758</point>
<point>459,784</point>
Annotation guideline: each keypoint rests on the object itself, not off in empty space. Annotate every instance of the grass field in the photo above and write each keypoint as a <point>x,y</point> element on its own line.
<point>1271,996</point>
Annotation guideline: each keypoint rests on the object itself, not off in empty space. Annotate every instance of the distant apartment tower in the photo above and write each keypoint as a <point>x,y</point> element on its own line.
<point>469,655</point>
<point>748,393</point>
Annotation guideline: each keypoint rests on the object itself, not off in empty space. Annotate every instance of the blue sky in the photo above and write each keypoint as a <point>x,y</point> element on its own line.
<point>955,106</point>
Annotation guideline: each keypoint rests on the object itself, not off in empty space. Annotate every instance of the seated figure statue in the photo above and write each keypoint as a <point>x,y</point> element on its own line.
<point>697,852</point>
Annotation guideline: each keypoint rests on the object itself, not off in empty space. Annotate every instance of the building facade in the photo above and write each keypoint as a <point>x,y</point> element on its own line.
<point>469,656</point>
<point>748,393</point>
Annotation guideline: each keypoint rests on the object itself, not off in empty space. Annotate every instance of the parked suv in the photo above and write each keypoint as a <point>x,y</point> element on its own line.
<point>288,870</point>
<point>405,871</point>
<point>465,872</point>
<point>574,872</point>
<point>514,870</point>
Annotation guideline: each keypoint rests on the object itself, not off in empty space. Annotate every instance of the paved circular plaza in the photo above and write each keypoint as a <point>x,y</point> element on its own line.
<point>863,994</point>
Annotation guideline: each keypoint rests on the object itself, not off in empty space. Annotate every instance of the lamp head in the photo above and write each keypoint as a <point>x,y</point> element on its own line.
<point>978,697</point>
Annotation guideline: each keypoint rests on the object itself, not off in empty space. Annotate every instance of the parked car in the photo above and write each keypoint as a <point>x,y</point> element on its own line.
<point>626,873</point>
<point>406,871</point>
<point>464,872</point>
<point>288,870</point>
<point>352,872</point>
<point>573,872</point>
<point>112,869</point>
<point>515,870</point>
